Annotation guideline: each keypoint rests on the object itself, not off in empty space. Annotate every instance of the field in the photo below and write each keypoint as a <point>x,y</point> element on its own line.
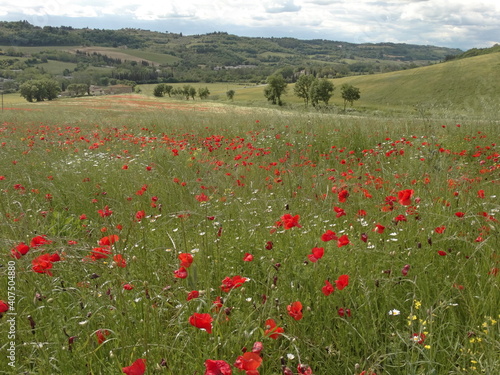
<point>162,236</point>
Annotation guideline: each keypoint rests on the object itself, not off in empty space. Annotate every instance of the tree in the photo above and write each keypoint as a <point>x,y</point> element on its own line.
<point>303,87</point>
<point>276,86</point>
<point>321,90</point>
<point>40,90</point>
<point>349,94</point>
<point>77,89</point>
<point>203,92</point>
<point>192,92</point>
<point>230,94</point>
<point>168,90</point>
<point>159,90</point>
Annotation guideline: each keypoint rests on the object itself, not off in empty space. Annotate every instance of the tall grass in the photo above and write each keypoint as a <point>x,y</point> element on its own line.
<point>215,185</point>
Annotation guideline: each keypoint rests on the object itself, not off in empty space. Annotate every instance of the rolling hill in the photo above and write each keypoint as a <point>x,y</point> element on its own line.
<point>462,85</point>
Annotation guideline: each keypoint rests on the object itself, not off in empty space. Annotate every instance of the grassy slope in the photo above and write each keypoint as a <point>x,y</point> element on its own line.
<point>464,86</point>
<point>468,84</point>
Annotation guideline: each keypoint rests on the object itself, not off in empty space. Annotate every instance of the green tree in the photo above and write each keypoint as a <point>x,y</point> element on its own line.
<point>321,90</point>
<point>349,93</point>
<point>77,89</point>
<point>40,90</point>
<point>203,92</point>
<point>303,86</point>
<point>188,91</point>
<point>192,92</point>
<point>159,90</point>
<point>167,89</point>
<point>230,94</point>
<point>276,86</point>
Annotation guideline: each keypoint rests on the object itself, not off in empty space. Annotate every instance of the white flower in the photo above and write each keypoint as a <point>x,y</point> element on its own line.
<point>394,312</point>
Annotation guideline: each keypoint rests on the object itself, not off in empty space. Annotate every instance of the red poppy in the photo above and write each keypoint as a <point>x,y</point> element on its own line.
<point>257,347</point>
<point>232,282</point>
<point>328,236</point>
<point>459,214</point>
<point>4,307</point>
<point>269,245</point>
<point>137,368</point>
<point>100,253</point>
<point>295,310</point>
<point>108,240</point>
<point>202,198</point>
<point>101,335</point>
<point>364,237</point>
<point>317,253</point>
<point>442,253</point>
<point>342,282</point>
<point>217,367</point>
<point>105,212</point>
<point>440,229</point>
<point>42,264</point>
<point>193,294</point>
<point>379,228</point>
<point>248,257</point>
<point>342,312</point>
<point>217,304</point>
<point>248,362</point>
<point>186,259</point>
<point>201,321</point>
<point>340,211</point>
<point>304,369</point>
<point>120,261</point>
<point>139,215</point>
<point>480,193</point>
<point>418,338</point>
<point>181,273</point>
<point>362,213</point>
<point>405,269</point>
<point>400,218</point>
<point>272,330</point>
<point>343,240</point>
<point>288,221</point>
<point>404,197</point>
<point>39,241</point>
<point>54,257</point>
<point>20,250</point>
<point>343,195</point>
<point>328,288</point>
<point>128,286</point>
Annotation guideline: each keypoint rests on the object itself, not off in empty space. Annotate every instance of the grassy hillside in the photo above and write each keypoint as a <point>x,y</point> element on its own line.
<point>471,84</point>
<point>463,87</point>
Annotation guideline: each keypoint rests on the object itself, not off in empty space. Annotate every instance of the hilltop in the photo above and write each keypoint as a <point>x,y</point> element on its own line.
<point>213,57</point>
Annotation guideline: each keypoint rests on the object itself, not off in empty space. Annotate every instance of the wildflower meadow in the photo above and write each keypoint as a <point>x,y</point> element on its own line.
<point>165,240</point>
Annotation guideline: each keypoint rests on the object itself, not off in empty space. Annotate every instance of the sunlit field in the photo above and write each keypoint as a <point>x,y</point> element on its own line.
<point>145,236</point>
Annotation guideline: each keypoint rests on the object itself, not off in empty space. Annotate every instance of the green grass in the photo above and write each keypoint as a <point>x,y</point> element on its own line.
<point>456,89</point>
<point>56,67</point>
<point>254,165</point>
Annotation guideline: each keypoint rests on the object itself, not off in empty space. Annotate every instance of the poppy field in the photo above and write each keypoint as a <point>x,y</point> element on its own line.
<point>178,241</point>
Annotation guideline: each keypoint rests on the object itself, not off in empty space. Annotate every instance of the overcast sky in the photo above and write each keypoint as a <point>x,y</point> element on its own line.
<point>460,24</point>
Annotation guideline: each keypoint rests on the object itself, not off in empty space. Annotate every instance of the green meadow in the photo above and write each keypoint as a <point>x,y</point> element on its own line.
<point>167,236</point>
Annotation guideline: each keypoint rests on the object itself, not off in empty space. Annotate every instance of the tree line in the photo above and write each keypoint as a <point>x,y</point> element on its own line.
<point>311,89</point>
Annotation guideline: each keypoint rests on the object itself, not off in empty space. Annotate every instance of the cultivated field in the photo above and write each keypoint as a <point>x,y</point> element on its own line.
<point>189,237</point>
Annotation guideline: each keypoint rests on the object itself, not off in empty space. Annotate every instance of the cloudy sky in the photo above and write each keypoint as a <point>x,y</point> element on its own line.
<point>460,24</point>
